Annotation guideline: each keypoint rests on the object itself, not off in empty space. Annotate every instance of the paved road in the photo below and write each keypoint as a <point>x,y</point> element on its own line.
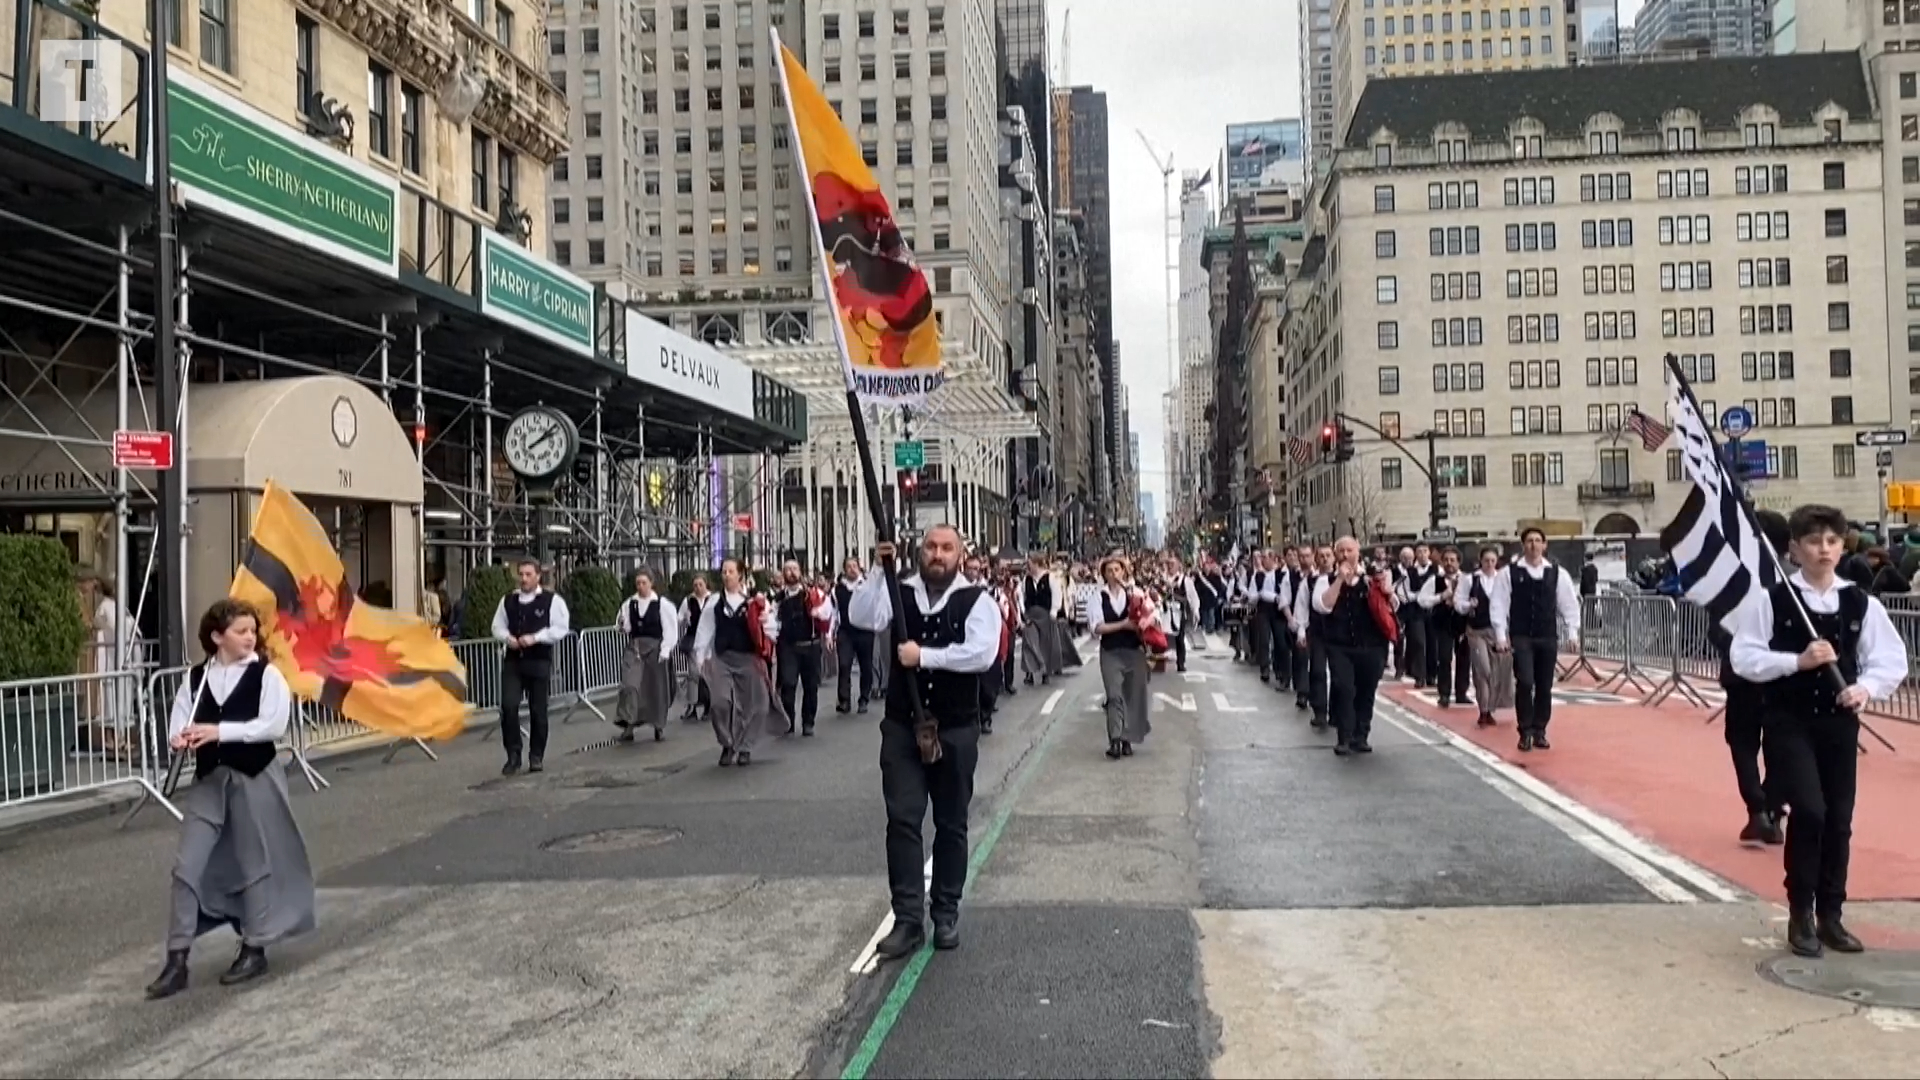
<point>1232,901</point>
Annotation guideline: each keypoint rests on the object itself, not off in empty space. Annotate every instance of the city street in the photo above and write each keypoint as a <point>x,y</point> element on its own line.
<point>1231,901</point>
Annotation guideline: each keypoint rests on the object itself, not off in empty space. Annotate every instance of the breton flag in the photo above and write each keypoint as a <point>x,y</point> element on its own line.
<point>381,669</point>
<point>889,338</point>
<point>1718,550</point>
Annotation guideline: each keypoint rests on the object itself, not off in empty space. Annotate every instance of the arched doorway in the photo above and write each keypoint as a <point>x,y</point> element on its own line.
<point>1616,524</point>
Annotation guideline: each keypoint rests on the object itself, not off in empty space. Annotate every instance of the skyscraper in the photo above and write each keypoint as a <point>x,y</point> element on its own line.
<point>1261,154</point>
<point>1723,28</point>
<point>1085,167</point>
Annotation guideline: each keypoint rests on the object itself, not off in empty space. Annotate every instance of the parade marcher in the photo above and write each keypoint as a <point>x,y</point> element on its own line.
<point>1182,609</point>
<point>1290,660</point>
<point>1123,661</point>
<point>1446,661</point>
<point>1401,669</point>
<point>1359,628</point>
<point>1263,620</point>
<point>1812,723</point>
<point>1524,603</point>
<point>733,656</point>
<point>530,622</point>
<point>1492,668</point>
<point>691,611</point>
<point>1007,591</point>
<point>1041,637</point>
<point>855,645</point>
<point>1419,592</point>
<point>646,675</point>
<point>1311,638</point>
<point>241,860</point>
<point>1745,716</point>
<point>799,610</point>
<point>952,634</point>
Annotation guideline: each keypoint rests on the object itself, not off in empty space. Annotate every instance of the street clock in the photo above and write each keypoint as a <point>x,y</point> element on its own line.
<point>540,445</point>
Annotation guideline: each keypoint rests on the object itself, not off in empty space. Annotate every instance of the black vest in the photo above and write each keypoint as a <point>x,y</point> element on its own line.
<point>1812,693</point>
<point>1119,639</point>
<point>1316,622</point>
<point>1416,580</point>
<point>696,608</point>
<point>842,597</point>
<point>1262,580</point>
<point>644,626</point>
<point>1481,617</point>
<point>730,633</point>
<point>530,617</point>
<point>1533,609</point>
<point>1038,593</point>
<point>1352,625</point>
<point>796,622</point>
<point>248,758</point>
<point>952,697</point>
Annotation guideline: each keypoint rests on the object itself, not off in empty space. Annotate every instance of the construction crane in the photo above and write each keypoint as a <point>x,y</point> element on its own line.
<point>1169,228</point>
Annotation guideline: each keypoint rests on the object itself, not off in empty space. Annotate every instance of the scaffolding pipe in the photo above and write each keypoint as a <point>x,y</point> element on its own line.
<point>486,449</point>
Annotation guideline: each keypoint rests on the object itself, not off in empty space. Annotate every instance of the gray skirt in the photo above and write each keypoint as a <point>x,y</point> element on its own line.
<point>1492,672</point>
<point>646,685</point>
<point>241,861</point>
<point>1041,635</point>
<point>745,708</point>
<point>1123,675</point>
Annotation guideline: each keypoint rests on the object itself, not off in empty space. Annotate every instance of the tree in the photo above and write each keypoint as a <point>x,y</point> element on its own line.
<point>1362,506</point>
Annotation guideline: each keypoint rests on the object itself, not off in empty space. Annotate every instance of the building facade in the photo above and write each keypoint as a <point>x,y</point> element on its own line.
<point>1489,278</point>
<point>1317,64</point>
<point>1079,464</point>
<point>1263,154</point>
<point>1721,28</point>
<point>1081,164</point>
<point>1187,442</point>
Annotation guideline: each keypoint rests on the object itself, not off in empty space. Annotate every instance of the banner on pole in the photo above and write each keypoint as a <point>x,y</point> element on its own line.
<point>888,336</point>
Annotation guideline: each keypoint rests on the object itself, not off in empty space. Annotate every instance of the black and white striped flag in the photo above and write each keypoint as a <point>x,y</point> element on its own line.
<point>1720,553</point>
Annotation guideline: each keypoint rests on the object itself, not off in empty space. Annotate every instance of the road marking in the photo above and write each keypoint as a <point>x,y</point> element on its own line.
<point>1184,704</point>
<point>869,957</point>
<point>1052,700</point>
<point>1625,846</point>
<point>1194,676</point>
<point>1220,703</point>
<point>1891,1020</point>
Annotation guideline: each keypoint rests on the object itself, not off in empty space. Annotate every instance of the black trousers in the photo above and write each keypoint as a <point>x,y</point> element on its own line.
<point>909,786</point>
<point>799,664</point>
<point>856,646</point>
<point>1533,659</point>
<point>1813,767</point>
<point>1416,626</point>
<point>1178,638</point>
<point>1449,667</point>
<point>1356,671</point>
<point>1317,692</point>
<point>1745,726</point>
<point>530,678</point>
<point>990,683</point>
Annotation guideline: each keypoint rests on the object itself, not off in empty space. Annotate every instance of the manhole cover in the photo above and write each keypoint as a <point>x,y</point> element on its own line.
<point>605,840</point>
<point>1882,979</point>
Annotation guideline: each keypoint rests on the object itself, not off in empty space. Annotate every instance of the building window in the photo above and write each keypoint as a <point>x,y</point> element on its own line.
<point>482,171</point>
<point>306,60</point>
<point>1383,244</point>
<point>1389,380</point>
<point>1833,174</point>
<point>1839,316</point>
<point>1842,409</point>
<point>1383,199</point>
<point>1387,335</point>
<point>1386,289</point>
<point>216,34</point>
<point>411,105</point>
<point>1390,473</point>
<point>1843,453</point>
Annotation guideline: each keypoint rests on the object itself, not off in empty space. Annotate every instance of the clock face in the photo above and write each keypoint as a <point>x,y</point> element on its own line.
<point>539,443</point>
<point>346,423</point>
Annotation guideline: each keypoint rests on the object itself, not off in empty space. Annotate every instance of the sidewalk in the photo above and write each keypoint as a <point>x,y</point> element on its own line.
<point>1666,774</point>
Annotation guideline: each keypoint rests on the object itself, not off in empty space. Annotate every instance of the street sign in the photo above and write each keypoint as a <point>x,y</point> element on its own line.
<point>143,450</point>
<point>910,455</point>
<point>1883,459</point>
<point>743,522</point>
<point>1445,534</point>
<point>1736,421</point>
<point>1880,438</point>
<point>1751,463</point>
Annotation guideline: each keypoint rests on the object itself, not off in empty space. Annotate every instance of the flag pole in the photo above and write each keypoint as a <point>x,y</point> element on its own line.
<point>1746,511</point>
<point>926,728</point>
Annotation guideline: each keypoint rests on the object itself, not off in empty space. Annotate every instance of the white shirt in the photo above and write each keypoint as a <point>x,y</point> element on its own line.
<point>1500,598</point>
<point>871,608</point>
<point>276,702</point>
<point>1303,604</point>
<point>732,601</point>
<point>558,625</point>
<point>824,610</point>
<point>635,609</point>
<point>1463,592</point>
<point>1882,655</point>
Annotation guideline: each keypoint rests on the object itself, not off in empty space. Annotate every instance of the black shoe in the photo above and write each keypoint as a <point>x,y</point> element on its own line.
<point>1029,678</point>
<point>1113,749</point>
<point>902,941</point>
<point>861,709</point>
<point>626,735</point>
<point>1463,700</point>
<point>1126,748</point>
<point>1834,935</point>
<point>1803,936</point>
<point>843,708</point>
<point>1266,676</point>
<point>743,759</point>
<point>1340,749</point>
<point>1444,703</point>
<point>1526,741</point>
<point>1756,830</point>
<point>986,725</point>
<point>659,733</point>
<point>512,766</point>
<point>1540,741</point>
<point>946,932</point>
<point>806,730</point>
<point>173,977</point>
<point>726,756</point>
<point>1319,724</point>
<point>1361,747</point>
<point>1301,703</point>
<point>249,965</point>
<point>535,765</point>
<point>1485,720</point>
<point>1775,833</point>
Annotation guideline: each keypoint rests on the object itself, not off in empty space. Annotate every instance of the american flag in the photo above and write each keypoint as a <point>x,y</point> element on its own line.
<point>1718,549</point>
<point>1652,432</point>
<point>1301,449</point>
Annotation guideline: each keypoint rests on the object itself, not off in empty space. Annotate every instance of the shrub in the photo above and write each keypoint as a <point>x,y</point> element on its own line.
<point>41,627</point>
<point>486,587</point>
<point>593,597</point>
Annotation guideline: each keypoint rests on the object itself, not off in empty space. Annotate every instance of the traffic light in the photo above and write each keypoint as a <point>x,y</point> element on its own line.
<point>1903,496</point>
<point>1328,433</point>
<point>909,482</point>
<point>1439,505</point>
<point>1345,451</point>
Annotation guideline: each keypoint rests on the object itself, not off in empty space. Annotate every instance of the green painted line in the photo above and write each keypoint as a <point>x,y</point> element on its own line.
<point>902,991</point>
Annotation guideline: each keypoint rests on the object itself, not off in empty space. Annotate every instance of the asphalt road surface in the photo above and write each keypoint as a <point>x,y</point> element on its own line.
<point>1231,901</point>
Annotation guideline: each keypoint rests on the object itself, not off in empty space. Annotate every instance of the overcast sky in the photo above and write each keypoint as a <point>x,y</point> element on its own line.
<point>1180,79</point>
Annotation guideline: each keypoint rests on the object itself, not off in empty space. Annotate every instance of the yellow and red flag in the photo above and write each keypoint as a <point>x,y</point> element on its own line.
<point>384,670</point>
<point>889,338</point>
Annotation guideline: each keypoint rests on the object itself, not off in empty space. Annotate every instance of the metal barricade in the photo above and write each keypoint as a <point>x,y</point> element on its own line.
<point>1690,653</point>
<point>1905,702</point>
<point>77,733</point>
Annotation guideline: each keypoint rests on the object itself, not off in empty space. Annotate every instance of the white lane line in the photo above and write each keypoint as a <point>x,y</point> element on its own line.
<point>1052,700</point>
<point>1651,859</point>
<point>869,959</point>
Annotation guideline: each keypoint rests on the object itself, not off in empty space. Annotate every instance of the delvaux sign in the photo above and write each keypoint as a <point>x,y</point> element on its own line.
<point>663,357</point>
<point>523,290</point>
<point>237,161</point>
